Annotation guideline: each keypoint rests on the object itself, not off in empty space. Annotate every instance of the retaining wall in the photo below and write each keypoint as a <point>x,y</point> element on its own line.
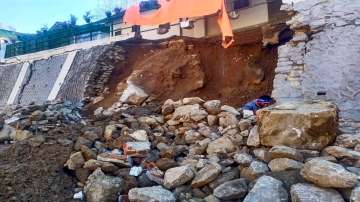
<point>8,77</point>
<point>39,80</point>
<point>66,75</point>
<point>322,60</point>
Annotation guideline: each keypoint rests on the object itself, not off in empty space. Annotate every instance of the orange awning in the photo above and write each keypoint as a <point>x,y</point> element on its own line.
<point>173,10</point>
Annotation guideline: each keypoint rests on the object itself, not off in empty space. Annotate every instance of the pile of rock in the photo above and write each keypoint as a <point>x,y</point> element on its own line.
<point>19,123</point>
<point>196,150</point>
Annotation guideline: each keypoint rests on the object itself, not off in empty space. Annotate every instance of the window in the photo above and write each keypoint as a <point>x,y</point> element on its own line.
<point>149,5</point>
<point>239,4</point>
<point>117,32</point>
<point>164,28</point>
<point>135,28</point>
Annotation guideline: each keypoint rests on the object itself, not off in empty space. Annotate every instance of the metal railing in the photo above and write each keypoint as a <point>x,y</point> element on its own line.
<point>59,38</point>
<point>70,36</point>
<point>92,31</point>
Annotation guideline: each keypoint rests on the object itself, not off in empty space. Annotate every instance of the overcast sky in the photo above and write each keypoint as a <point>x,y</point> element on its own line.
<point>30,15</point>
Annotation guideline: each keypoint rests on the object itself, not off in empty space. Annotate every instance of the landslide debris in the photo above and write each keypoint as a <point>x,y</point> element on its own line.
<point>31,165</point>
<point>185,150</point>
<point>184,67</point>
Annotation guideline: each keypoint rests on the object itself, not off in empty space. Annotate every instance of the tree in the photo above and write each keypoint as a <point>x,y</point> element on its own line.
<point>43,29</point>
<point>118,10</point>
<point>108,14</point>
<point>73,20</point>
<point>104,6</point>
<point>87,17</point>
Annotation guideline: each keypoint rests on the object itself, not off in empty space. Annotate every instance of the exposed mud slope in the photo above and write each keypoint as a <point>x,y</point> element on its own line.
<point>188,67</point>
<point>31,173</point>
<point>170,72</point>
<point>238,74</point>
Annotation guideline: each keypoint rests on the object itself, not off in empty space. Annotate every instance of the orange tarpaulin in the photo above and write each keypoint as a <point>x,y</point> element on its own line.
<point>173,10</point>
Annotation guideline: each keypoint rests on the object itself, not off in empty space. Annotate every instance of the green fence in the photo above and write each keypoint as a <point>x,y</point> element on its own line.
<point>55,39</point>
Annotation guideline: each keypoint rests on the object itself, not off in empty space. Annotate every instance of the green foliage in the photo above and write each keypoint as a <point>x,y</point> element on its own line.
<point>43,29</point>
<point>87,17</point>
<point>118,10</point>
<point>108,14</point>
<point>73,20</point>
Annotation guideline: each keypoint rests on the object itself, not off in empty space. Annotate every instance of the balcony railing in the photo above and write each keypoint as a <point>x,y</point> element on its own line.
<point>55,39</point>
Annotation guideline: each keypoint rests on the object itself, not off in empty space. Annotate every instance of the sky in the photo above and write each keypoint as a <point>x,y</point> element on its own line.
<point>28,16</point>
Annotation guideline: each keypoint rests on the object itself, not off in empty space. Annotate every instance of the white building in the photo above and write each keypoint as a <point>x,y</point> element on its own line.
<point>246,14</point>
<point>3,42</point>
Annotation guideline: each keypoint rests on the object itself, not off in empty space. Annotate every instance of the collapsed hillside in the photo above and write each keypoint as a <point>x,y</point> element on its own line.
<point>184,67</point>
<point>185,150</point>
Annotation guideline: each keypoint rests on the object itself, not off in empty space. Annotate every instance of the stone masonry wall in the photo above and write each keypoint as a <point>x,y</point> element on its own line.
<point>89,72</point>
<point>74,84</point>
<point>322,60</point>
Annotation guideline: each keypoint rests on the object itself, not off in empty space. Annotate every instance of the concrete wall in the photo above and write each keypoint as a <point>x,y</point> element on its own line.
<point>323,57</point>
<point>39,80</point>
<point>199,29</point>
<point>257,13</point>
<point>8,77</point>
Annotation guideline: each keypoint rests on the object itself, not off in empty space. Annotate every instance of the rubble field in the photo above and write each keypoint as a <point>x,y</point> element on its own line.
<point>184,150</point>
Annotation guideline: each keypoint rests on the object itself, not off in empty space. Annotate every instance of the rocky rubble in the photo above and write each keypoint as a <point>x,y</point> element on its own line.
<point>38,141</point>
<point>20,123</point>
<point>197,150</point>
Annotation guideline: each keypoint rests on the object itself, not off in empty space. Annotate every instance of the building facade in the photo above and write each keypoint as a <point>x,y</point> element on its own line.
<point>243,14</point>
<point>3,42</point>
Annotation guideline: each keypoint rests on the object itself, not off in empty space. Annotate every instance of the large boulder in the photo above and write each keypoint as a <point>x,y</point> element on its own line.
<point>133,94</point>
<point>75,161</point>
<point>304,192</point>
<point>6,133</point>
<point>177,176</point>
<point>231,190</point>
<point>189,113</point>
<point>285,152</point>
<point>21,135</point>
<point>299,125</point>
<point>206,175</point>
<point>213,106</point>
<point>327,174</point>
<point>232,174</point>
<point>243,158</point>
<point>192,100</point>
<point>340,152</point>
<point>227,119</point>
<point>281,164</point>
<point>255,170</point>
<point>107,167</point>
<point>221,145</point>
<point>347,140</point>
<point>100,187</point>
<point>355,195</point>
<point>140,136</point>
<point>146,194</point>
<point>254,138</point>
<point>267,189</point>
